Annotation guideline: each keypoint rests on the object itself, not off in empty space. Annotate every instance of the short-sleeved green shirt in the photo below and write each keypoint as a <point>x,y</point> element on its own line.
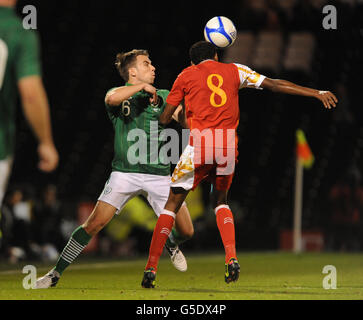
<point>19,58</point>
<point>137,135</point>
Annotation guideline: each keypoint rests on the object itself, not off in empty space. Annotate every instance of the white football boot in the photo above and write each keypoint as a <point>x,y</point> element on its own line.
<point>47,281</point>
<point>177,258</point>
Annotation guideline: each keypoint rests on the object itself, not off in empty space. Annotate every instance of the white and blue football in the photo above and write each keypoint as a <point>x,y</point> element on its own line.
<point>220,31</point>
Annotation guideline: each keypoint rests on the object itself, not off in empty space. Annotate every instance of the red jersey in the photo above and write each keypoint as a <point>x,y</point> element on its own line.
<point>210,94</point>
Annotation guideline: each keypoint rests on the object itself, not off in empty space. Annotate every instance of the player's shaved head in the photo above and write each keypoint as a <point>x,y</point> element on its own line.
<point>126,60</point>
<point>202,50</point>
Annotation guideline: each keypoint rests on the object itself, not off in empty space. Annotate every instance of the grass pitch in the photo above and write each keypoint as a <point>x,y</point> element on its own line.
<point>264,276</point>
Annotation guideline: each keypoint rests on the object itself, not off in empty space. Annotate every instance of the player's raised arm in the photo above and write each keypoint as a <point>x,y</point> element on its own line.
<point>116,96</point>
<point>36,110</point>
<point>328,99</point>
<point>167,114</point>
<point>174,100</point>
<point>180,116</point>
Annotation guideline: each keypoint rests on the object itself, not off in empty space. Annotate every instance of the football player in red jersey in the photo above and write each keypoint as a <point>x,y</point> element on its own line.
<point>209,90</point>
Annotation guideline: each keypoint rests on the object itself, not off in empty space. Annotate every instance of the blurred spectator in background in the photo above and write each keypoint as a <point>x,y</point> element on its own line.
<point>253,15</point>
<point>346,205</point>
<point>31,230</point>
<point>343,115</point>
<point>272,20</point>
<point>16,226</point>
<point>47,219</point>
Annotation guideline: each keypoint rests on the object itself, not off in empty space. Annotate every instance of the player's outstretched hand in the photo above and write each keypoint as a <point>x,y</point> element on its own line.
<point>48,157</point>
<point>328,99</point>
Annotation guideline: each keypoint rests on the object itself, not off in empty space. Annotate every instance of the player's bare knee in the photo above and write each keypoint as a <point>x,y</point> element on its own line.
<point>88,228</point>
<point>93,227</point>
<point>188,234</point>
<point>186,230</point>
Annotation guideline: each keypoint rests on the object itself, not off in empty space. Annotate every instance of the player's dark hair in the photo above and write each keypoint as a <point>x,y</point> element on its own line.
<point>126,60</point>
<point>202,50</point>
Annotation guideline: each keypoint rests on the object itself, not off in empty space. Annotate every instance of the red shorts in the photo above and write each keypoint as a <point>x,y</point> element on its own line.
<point>197,164</point>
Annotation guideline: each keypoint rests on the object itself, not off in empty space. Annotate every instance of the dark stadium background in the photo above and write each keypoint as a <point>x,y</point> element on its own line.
<point>79,41</point>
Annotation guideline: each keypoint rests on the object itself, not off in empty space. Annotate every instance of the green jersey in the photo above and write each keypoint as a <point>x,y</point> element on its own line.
<point>19,57</point>
<point>137,135</point>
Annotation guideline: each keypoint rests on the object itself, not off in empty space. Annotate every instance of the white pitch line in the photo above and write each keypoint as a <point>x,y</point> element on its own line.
<point>98,265</point>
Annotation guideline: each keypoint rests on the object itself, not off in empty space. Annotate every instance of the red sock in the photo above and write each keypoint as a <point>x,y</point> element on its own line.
<point>161,233</point>
<point>225,225</point>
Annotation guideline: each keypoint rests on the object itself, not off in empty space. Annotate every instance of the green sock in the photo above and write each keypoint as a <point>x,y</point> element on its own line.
<point>78,241</point>
<point>175,238</point>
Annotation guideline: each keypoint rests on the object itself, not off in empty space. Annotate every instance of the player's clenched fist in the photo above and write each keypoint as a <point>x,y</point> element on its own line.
<point>152,90</point>
<point>48,157</point>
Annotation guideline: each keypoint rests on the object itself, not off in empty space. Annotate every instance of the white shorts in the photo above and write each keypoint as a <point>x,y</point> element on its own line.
<point>5,170</point>
<point>197,164</point>
<point>123,186</point>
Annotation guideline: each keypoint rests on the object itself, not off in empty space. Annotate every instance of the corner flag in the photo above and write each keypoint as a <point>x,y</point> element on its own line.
<point>304,159</point>
<point>303,150</point>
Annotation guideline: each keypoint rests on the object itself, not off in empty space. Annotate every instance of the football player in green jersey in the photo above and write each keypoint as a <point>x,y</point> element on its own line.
<point>20,73</point>
<point>133,106</point>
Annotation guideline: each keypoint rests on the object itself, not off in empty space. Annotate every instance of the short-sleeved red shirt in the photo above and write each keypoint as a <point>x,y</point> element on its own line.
<point>210,94</point>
